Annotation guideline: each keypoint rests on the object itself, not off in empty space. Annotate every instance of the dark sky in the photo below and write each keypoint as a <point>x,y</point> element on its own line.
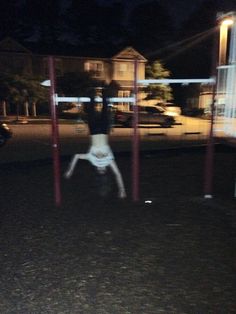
<point>179,9</point>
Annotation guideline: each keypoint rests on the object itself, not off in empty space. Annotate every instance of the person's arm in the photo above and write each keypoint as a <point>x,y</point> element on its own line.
<point>73,163</point>
<point>119,180</point>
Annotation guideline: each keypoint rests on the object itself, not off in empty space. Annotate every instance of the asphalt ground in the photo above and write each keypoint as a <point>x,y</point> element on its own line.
<point>99,254</point>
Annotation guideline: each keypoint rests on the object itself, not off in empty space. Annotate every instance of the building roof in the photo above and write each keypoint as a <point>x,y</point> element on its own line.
<point>129,53</point>
<point>9,44</point>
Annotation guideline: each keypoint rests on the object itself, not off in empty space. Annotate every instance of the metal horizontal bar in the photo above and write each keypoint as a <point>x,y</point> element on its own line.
<point>97,99</point>
<point>71,99</point>
<point>177,81</point>
<point>121,99</point>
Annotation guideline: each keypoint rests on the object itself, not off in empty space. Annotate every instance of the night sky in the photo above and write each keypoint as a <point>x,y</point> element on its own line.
<point>81,31</point>
<point>179,9</point>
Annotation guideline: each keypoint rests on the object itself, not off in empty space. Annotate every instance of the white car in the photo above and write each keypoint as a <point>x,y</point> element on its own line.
<point>147,115</point>
<point>171,109</point>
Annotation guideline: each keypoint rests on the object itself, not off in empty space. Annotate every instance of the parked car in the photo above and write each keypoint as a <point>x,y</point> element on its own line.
<point>5,133</point>
<point>147,115</point>
<point>172,109</point>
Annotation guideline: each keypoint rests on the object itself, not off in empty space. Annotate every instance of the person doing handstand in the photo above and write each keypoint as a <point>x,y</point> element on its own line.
<point>99,154</point>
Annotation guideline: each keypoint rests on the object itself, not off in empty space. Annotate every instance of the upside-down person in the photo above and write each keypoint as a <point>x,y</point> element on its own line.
<point>99,154</point>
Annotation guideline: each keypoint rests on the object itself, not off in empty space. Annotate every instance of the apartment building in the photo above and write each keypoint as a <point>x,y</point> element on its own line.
<point>17,59</point>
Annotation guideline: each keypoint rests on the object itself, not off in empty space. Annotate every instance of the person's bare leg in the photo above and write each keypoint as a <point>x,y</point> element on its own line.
<point>119,180</point>
<point>73,163</point>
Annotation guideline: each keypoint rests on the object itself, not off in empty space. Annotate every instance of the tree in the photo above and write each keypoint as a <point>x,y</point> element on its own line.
<point>76,83</point>
<point>18,91</point>
<point>9,91</point>
<point>4,92</point>
<point>36,94</point>
<point>156,70</point>
<point>82,84</point>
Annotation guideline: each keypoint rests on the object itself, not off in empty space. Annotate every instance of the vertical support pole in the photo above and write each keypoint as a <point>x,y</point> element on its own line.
<point>55,137</point>
<point>232,75</point>
<point>208,185</point>
<point>208,180</point>
<point>135,146</point>
<point>234,187</point>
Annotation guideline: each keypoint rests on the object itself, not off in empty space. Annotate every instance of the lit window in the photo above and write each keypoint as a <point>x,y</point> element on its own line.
<point>124,93</point>
<point>95,67</point>
<point>122,69</point>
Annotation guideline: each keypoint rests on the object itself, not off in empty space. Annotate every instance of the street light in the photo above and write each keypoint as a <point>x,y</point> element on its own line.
<point>228,22</point>
<point>225,22</point>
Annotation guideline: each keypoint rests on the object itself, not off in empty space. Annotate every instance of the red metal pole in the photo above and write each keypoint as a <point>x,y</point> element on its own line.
<point>208,184</point>
<point>55,134</point>
<point>209,162</point>
<point>135,146</point>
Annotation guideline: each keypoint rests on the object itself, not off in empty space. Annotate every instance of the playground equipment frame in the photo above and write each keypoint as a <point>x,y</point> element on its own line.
<point>55,99</point>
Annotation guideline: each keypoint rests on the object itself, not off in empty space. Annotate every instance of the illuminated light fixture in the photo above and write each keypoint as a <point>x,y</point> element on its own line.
<point>227,22</point>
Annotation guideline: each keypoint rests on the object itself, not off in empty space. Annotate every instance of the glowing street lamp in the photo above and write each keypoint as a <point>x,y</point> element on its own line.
<point>228,22</point>
<point>225,23</point>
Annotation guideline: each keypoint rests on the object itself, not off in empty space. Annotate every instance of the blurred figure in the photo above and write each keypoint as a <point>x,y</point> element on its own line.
<point>100,154</point>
